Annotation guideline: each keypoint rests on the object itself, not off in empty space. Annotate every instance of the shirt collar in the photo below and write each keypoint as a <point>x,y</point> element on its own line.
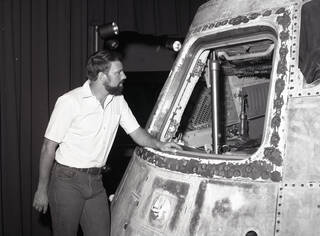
<point>86,91</point>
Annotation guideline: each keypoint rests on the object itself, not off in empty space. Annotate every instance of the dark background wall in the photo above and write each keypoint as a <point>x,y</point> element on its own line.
<point>43,49</point>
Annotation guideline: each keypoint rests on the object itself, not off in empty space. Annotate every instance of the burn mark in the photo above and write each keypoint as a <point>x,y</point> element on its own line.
<point>284,35</point>
<point>222,208</point>
<point>276,176</point>
<point>275,122</point>
<point>279,86</point>
<point>273,155</point>
<point>278,103</point>
<point>252,170</point>
<point>275,138</point>
<point>238,20</point>
<point>205,27</point>
<point>221,23</point>
<point>254,16</point>
<point>179,189</point>
<point>211,25</point>
<point>280,11</point>
<point>284,20</point>
<point>198,206</point>
<point>267,13</point>
<point>282,64</point>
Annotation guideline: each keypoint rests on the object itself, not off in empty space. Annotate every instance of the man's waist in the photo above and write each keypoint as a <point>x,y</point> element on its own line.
<point>69,157</point>
<point>89,170</point>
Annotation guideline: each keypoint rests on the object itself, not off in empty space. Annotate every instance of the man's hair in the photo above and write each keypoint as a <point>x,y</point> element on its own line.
<point>100,62</point>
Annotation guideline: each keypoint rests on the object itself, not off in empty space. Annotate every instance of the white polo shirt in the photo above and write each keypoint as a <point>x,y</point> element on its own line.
<point>84,129</point>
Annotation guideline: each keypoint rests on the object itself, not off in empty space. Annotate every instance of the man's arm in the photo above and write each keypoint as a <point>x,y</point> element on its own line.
<point>40,201</point>
<point>142,138</point>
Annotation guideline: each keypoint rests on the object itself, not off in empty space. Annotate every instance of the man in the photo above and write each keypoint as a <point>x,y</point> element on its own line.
<point>76,145</point>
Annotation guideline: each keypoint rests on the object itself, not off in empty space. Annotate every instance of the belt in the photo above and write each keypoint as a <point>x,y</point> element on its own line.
<point>91,170</point>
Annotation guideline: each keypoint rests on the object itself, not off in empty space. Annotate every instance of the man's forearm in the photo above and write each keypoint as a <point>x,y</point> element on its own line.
<point>143,138</point>
<point>45,165</point>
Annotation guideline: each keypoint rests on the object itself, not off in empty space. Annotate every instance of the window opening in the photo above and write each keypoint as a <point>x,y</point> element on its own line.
<point>232,120</point>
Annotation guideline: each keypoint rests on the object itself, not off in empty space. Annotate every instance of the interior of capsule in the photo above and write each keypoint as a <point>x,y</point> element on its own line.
<point>243,78</point>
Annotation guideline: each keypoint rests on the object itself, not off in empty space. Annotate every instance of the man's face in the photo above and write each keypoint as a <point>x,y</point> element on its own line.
<point>115,78</point>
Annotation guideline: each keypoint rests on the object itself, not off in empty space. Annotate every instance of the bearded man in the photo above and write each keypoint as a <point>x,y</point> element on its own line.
<point>76,145</point>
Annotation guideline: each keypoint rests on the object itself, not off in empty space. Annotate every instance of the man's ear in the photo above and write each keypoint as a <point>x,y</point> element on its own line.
<point>101,76</point>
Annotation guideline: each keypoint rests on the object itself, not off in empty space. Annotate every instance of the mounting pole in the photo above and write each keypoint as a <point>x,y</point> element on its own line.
<point>214,69</point>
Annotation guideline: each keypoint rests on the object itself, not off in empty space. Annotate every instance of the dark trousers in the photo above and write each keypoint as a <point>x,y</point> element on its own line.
<point>77,198</point>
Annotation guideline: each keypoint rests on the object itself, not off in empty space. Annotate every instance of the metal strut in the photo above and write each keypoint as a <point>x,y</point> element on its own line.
<point>214,69</point>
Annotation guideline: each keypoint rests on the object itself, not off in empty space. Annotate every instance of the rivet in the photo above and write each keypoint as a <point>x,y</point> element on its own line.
<point>125,226</point>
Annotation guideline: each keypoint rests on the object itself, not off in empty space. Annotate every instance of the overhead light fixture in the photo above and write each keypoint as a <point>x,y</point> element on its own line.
<point>108,30</point>
<point>173,44</point>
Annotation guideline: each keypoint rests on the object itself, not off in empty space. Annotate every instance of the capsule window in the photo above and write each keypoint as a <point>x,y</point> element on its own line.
<point>226,111</point>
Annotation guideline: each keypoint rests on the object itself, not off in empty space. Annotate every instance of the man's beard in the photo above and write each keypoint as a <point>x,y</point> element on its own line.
<point>114,90</point>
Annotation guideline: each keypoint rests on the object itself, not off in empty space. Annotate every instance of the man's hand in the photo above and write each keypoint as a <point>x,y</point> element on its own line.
<point>40,201</point>
<point>169,147</point>
<point>142,138</point>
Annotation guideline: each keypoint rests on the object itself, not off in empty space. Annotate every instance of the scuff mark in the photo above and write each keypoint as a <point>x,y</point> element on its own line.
<point>222,208</point>
<point>198,206</point>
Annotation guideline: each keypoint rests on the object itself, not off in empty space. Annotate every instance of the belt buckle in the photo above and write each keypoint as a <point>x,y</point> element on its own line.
<point>94,170</point>
<point>105,169</point>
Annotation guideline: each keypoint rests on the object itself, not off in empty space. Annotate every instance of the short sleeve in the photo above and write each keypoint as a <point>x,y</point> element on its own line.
<point>127,120</point>
<point>61,118</point>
